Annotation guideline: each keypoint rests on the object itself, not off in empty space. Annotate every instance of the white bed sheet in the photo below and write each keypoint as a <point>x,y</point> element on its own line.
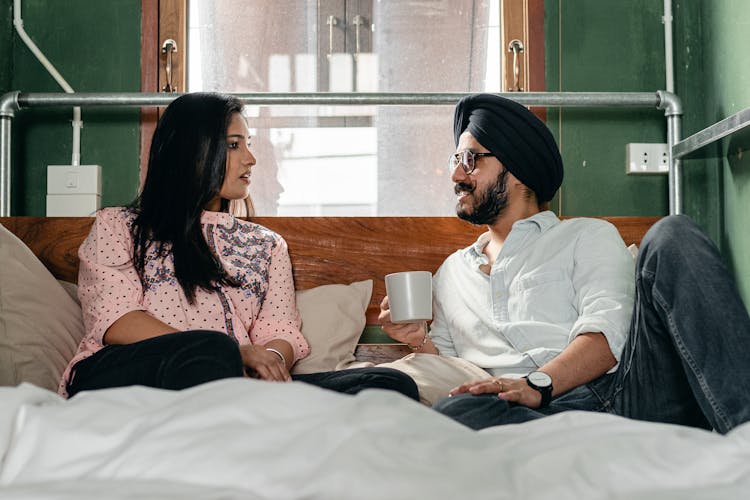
<point>250,439</point>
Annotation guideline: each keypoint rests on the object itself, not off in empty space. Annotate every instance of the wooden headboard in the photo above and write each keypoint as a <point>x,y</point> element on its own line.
<point>323,250</point>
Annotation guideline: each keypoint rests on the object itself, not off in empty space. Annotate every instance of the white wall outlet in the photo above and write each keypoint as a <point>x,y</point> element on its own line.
<point>646,158</point>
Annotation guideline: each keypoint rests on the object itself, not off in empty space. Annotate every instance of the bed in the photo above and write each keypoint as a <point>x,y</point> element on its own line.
<point>252,439</point>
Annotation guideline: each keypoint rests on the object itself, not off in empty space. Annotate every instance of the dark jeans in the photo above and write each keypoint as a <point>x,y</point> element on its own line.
<point>180,360</point>
<point>486,410</point>
<point>687,359</point>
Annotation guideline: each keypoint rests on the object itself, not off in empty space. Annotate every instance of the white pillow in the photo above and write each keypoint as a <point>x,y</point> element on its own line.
<point>633,249</point>
<point>436,375</point>
<point>333,317</point>
<point>40,324</point>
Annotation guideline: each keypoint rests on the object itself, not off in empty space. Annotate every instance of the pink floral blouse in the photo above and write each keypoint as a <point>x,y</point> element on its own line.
<point>261,309</point>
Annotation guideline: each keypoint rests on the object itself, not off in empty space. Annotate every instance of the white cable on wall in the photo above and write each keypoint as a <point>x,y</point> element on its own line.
<point>668,47</point>
<point>77,123</point>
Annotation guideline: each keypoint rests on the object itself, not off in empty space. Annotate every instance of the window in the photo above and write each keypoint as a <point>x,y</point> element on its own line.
<point>346,160</point>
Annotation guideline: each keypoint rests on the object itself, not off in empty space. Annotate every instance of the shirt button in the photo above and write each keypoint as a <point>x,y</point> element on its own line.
<point>228,315</point>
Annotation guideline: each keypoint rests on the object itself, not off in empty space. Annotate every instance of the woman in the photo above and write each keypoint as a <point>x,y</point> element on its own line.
<point>175,291</point>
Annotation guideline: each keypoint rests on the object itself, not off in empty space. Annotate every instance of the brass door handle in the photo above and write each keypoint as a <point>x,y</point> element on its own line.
<point>358,21</point>
<point>516,46</point>
<point>331,22</point>
<point>169,47</point>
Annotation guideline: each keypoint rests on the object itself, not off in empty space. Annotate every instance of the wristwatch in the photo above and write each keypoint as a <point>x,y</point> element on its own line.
<point>540,381</point>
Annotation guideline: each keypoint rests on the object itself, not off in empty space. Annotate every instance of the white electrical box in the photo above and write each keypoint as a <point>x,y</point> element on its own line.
<point>646,158</point>
<point>73,191</point>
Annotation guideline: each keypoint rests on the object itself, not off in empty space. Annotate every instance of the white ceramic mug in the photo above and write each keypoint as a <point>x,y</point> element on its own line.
<point>409,296</point>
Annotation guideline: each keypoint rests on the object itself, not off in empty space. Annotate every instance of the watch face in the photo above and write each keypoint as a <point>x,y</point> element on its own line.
<point>540,379</point>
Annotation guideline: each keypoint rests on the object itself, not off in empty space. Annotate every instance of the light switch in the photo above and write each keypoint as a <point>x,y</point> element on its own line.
<point>79,179</point>
<point>71,180</point>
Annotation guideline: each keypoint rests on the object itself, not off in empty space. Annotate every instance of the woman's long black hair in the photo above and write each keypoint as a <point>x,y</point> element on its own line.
<point>186,169</point>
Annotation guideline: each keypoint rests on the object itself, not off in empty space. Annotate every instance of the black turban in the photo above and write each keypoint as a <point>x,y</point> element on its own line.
<point>517,138</point>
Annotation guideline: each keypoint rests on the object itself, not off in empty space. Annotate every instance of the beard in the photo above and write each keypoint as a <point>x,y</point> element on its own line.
<point>488,206</point>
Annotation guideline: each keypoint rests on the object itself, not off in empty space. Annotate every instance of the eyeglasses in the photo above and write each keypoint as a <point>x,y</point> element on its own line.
<point>467,160</point>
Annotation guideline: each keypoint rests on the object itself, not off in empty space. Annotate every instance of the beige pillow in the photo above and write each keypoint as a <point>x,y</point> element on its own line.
<point>333,317</point>
<point>40,324</point>
<point>436,375</point>
<point>72,290</point>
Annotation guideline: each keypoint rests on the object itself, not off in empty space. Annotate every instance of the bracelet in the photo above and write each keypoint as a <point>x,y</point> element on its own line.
<point>420,346</point>
<point>278,353</point>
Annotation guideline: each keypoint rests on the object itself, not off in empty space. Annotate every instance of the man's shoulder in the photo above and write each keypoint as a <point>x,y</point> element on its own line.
<point>586,225</point>
<point>588,231</point>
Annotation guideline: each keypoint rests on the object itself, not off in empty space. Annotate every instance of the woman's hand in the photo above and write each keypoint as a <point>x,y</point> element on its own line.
<point>510,389</point>
<point>407,333</point>
<point>263,364</point>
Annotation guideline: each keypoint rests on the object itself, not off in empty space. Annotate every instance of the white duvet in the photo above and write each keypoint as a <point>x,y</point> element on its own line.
<point>248,439</point>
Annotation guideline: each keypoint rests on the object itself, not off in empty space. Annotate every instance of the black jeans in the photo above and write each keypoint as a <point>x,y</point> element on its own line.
<point>180,360</point>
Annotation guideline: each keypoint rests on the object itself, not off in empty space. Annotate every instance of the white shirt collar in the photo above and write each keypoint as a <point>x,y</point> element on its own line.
<point>541,221</point>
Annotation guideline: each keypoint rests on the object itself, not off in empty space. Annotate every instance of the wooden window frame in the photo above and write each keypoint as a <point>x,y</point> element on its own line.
<point>162,19</point>
<point>524,20</point>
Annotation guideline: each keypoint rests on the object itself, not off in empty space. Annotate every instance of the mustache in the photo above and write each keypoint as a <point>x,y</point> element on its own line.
<point>462,187</point>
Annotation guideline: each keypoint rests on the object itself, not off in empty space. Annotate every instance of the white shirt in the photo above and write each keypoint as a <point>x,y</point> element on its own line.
<point>552,281</point>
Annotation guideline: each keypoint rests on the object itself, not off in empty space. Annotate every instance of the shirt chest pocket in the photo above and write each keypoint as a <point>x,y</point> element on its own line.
<point>542,296</point>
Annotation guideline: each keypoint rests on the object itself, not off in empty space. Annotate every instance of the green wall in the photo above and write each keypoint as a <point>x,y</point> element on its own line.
<point>591,45</point>
<point>605,46</point>
<point>6,44</point>
<point>598,45</point>
<point>95,45</point>
<point>725,90</point>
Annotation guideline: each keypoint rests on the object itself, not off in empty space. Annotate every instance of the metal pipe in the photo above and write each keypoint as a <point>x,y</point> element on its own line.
<point>669,102</point>
<point>8,108</point>
<point>675,166</point>
<point>13,101</point>
<point>9,104</point>
<point>672,106</point>
<point>5,126</point>
<point>561,99</point>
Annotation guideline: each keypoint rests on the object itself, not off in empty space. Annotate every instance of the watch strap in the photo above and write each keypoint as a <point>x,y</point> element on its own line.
<point>546,392</point>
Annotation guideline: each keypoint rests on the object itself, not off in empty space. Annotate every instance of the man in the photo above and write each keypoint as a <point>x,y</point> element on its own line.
<point>549,308</point>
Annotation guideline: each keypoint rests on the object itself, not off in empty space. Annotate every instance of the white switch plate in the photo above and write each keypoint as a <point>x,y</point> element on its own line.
<point>73,191</point>
<point>646,158</point>
<point>69,179</point>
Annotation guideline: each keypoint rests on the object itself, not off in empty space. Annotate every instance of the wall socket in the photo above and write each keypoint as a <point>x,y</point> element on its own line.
<point>646,158</point>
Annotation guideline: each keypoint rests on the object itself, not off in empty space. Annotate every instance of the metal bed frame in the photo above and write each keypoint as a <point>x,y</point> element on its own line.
<point>12,102</point>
